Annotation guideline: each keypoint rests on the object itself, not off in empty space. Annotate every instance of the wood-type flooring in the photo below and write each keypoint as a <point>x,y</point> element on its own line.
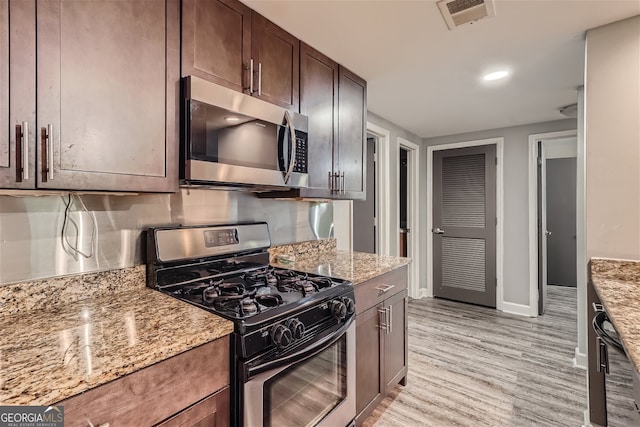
<point>476,366</point>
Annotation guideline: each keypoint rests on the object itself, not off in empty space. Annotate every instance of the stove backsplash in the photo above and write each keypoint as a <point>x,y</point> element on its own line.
<point>107,235</point>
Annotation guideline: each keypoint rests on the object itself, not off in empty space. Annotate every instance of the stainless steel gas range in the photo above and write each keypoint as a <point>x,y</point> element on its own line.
<point>293,346</point>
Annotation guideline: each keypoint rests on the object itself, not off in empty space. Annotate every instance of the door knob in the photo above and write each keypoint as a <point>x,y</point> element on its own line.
<point>438,230</point>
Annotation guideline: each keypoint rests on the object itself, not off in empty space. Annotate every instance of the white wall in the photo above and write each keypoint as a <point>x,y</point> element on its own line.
<point>516,211</point>
<point>612,104</point>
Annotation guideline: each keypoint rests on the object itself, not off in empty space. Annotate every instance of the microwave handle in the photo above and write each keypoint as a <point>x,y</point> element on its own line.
<point>292,142</point>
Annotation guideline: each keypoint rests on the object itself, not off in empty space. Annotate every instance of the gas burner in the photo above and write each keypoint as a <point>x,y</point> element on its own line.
<point>196,288</point>
<point>269,300</point>
<point>321,282</point>
<point>210,294</point>
<point>234,289</point>
<point>297,285</point>
<point>248,307</point>
<point>287,273</point>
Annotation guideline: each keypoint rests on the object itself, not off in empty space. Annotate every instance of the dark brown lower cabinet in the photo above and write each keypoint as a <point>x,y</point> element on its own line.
<point>212,411</point>
<point>190,389</point>
<point>381,339</point>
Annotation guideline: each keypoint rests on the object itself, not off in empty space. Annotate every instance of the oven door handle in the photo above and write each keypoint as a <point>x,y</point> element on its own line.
<point>318,346</point>
<point>597,322</point>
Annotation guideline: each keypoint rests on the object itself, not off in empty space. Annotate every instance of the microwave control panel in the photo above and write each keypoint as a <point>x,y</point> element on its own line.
<point>302,154</point>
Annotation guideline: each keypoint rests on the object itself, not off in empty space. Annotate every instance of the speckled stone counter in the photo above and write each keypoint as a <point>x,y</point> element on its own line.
<point>63,336</point>
<point>357,267</point>
<point>617,283</point>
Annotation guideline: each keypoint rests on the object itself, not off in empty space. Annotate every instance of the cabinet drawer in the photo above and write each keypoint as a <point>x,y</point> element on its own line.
<point>155,393</point>
<point>210,412</point>
<point>376,290</point>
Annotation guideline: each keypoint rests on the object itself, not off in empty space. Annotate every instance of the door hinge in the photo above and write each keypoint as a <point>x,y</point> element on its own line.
<point>375,157</point>
<point>375,221</point>
<point>539,161</point>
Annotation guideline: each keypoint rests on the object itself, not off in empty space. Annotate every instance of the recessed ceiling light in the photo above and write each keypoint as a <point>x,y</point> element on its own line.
<point>496,75</point>
<point>232,119</point>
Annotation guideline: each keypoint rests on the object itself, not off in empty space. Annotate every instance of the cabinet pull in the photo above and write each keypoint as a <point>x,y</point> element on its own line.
<point>385,288</point>
<point>382,318</point>
<point>390,320</point>
<point>342,182</point>
<point>25,150</point>
<point>19,148</point>
<point>250,68</point>
<point>46,135</point>
<point>329,183</point>
<point>259,78</point>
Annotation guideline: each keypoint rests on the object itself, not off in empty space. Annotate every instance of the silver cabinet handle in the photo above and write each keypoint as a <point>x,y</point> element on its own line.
<point>259,78</point>
<point>25,150</point>
<point>598,308</point>
<point>342,182</point>
<point>390,320</point>
<point>50,151</point>
<point>385,288</point>
<point>438,230</point>
<point>382,317</point>
<point>250,68</point>
<point>330,184</point>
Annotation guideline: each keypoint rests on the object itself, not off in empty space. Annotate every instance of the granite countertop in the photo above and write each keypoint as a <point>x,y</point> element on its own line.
<point>57,343</point>
<point>321,257</point>
<point>617,283</point>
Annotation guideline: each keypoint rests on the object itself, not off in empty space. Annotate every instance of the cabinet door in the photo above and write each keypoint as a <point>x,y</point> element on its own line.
<point>395,341</point>
<point>17,94</point>
<point>318,95</point>
<point>108,88</point>
<point>216,41</point>
<point>214,411</point>
<point>369,346</point>
<point>277,53</point>
<point>352,124</point>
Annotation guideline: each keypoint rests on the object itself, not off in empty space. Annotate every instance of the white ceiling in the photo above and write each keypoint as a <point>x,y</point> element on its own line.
<point>427,79</point>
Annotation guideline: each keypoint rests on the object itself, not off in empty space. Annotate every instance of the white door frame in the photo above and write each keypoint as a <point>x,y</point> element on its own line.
<point>499,142</point>
<point>533,211</point>
<point>413,211</point>
<point>383,186</point>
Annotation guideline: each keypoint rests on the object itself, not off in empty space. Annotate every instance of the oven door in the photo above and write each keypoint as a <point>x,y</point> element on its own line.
<point>316,390</point>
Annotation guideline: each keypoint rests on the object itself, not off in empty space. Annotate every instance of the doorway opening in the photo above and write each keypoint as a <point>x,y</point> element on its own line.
<point>409,211</point>
<point>555,213</point>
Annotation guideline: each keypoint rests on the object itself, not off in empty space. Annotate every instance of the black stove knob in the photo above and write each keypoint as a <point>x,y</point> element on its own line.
<point>351,306</point>
<point>296,327</point>
<point>281,336</point>
<point>338,309</point>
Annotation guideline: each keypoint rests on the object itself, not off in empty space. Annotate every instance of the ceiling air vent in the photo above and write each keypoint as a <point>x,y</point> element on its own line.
<point>460,12</point>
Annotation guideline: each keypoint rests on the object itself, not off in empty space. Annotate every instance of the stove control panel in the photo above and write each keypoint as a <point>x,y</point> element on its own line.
<point>300,326</point>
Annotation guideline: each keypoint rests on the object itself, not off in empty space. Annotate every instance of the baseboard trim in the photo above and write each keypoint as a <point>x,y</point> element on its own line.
<point>423,293</point>
<point>580,360</point>
<point>518,309</point>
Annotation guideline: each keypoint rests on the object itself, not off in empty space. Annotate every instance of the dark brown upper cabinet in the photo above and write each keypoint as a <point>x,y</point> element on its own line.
<point>17,94</point>
<point>350,152</point>
<point>107,85</point>
<point>227,43</point>
<point>335,100</point>
<point>318,101</point>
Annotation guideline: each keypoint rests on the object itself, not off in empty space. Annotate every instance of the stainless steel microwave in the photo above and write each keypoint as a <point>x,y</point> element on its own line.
<point>232,139</point>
